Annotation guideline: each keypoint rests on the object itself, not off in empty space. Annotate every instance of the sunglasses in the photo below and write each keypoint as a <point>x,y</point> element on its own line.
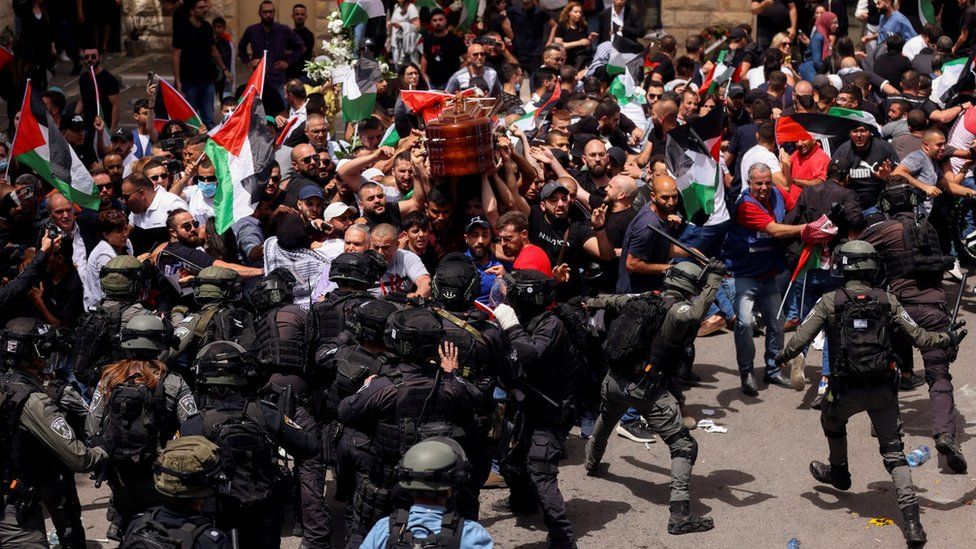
<point>126,197</point>
<point>275,179</point>
<point>190,225</point>
<point>207,178</point>
<point>159,177</point>
<point>311,159</point>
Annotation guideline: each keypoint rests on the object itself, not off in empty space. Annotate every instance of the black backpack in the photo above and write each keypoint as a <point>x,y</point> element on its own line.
<point>145,532</point>
<point>401,536</point>
<point>247,453</point>
<point>865,327</point>
<point>134,422</point>
<point>227,324</point>
<point>631,332</point>
<point>96,342</point>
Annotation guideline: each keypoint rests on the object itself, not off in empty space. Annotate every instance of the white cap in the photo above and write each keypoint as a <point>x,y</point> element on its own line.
<point>336,209</point>
<point>373,173</point>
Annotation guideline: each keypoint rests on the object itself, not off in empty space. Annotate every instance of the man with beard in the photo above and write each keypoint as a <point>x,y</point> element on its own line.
<point>183,255</point>
<point>594,179</point>
<point>644,254</point>
<point>871,160</point>
<point>115,166</point>
<point>440,211</point>
<point>149,207</point>
<point>807,166</point>
<point>108,92</point>
<point>620,194</point>
<point>477,236</point>
<point>606,122</point>
<point>305,165</point>
<point>514,246</point>
<point>475,74</point>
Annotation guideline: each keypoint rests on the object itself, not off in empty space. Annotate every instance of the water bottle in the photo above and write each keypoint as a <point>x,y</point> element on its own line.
<point>52,539</point>
<point>918,456</point>
<point>793,544</point>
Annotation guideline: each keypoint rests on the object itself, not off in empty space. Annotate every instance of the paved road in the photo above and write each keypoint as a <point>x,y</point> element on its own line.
<point>752,480</point>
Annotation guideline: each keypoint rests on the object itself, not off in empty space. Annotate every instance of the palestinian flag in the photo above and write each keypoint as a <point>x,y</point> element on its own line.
<point>354,12</point>
<point>358,88</point>
<point>171,105</point>
<point>429,104</point>
<point>951,81</point>
<point>6,56</point>
<point>256,80</point>
<point>926,12</point>
<point>391,138</point>
<point>720,73</point>
<point>469,13</point>
<point>630,97</point>
<point>837,122</point>
<point>625,55</point>
<point>39,145</point>
<point>537,114</point>
<point>692,155</point>
<point>242,152</point>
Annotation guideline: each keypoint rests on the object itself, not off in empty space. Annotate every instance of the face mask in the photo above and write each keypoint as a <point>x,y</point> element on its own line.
<point>518,88</point>
<point>3,165</point>
<point>208,189</point>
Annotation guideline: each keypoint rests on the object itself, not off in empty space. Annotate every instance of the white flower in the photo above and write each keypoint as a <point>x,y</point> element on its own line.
<point>384,67</point>
<point>335,26</point>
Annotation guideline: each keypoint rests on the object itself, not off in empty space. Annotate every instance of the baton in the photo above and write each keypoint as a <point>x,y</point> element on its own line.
<point>692,252</point>
<point>962,288</point>
<point>540,394</point>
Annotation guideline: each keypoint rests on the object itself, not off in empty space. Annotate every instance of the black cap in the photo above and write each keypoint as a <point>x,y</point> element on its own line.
<point>477,221</point>
<point>737,33</point>
<point>839,164</point>
<point>122,135</point>
<point>552,187</point>
<point>76,122</point>
<point>617,156</point>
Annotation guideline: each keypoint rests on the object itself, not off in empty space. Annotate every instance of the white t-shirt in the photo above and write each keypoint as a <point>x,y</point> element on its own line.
<point>155,216</point>
<point>758,153</point>
<point>90,279</point>
<point>757,75</point>
<point>402,274</point>
<point>201,207</point>
<point>330,249</point>
<point>913,46</point>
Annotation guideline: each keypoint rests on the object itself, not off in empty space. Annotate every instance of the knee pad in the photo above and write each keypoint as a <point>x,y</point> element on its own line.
<point>682,444</point>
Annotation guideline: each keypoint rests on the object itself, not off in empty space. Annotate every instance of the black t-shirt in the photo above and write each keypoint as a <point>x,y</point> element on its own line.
<point>390,215</point>
<point>108,86</point>
<point>774,18</point>
<point>890,66</point>
<point>917,101</point>
<point>617,223</point>
<point>196,61</point>
<point>969,23</point>
<point>443,55</point>
<point>550,238</point>
<point>576,55</point>
<point>177,256</point>
<point>863,164</point>
<point>530,30</point>
<point>64,298</point>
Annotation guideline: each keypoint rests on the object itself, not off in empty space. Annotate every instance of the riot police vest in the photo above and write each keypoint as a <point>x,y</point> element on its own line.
<point>23,459</point>
<point>466,332</point>
<point>401,536</point>
<point>921,257</point>
<point>351,365</point>
<point>327,319</point>
<point>280,352</point>
<point>859,338</point>
<point>247,451</point>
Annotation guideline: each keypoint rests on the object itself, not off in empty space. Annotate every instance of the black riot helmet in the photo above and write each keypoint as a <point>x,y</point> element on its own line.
<point>368,320</point>
<point>899,197</point>
<point>414,334</point>
<point>529,291</point>
<point>456,282</point>
<point>224,363</point>
<point>359,270</point>
<point>24,340</point>
<point>273,290</point>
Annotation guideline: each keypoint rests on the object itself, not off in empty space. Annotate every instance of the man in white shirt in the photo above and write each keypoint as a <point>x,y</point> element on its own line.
<point>64,216</point>
<point>475,73</point>
<point>405,272</point>
<point>200,195</point>
<point>763,152</point>
<point>149,206</point>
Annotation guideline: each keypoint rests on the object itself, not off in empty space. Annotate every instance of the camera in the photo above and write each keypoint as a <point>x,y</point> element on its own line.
<point>53,231</point>
<point>171,144</point>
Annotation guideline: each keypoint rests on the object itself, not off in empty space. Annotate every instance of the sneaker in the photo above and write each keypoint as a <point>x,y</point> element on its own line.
<point>587,422</point>
<point>64,57</point>
<point>778,380</point>
<point>956,271</point>
<point>494,480</point>
<point>911,382</point>
<point>711,325</point>
<point>798,379</point>
<point>947,446</point>
<point>635,431</point>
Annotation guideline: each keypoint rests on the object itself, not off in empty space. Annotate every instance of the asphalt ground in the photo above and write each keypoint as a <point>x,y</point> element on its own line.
<point>752,480</point>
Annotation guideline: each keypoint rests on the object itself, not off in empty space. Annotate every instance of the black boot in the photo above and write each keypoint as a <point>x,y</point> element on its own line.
<point>947,446</point>
<point>837,476</point>
<point>914,534</point>
<point>683,522</point>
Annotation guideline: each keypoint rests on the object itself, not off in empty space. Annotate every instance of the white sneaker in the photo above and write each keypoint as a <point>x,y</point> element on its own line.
<point>956,271</point>
<point>64,57</point>
<point>635,431</point>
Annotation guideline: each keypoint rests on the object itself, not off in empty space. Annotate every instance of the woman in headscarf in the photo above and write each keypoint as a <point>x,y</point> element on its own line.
<point>817,56</point>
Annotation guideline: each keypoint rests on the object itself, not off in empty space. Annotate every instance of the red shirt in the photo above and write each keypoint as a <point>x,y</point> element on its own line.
<point>533,257</point>
<point>810,167</point>
<point>755,218</point>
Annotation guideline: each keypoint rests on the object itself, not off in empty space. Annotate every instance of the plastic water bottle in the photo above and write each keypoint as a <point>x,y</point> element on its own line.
<point>793,544</point>
<point>52,539</point>
<point>918,456</point>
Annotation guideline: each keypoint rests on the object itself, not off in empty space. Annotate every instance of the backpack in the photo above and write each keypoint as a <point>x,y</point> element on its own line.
<point>247,452</point>
<point>401,536</point>
<point>96,341</point>
<point>865,349</point>
<point>631,332</point>
<point>145,532</point>
<point>134,422</point>
<point>227,324</point>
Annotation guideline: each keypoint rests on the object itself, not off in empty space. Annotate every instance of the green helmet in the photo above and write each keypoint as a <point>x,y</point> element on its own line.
<point>857,260</point>
<point>188,467</point>
<point>216,284</point>
<point>224,363</point>
<point>684,276</point>
<point>436,465</point>
<point>123,277</point>
<point>147,335</point>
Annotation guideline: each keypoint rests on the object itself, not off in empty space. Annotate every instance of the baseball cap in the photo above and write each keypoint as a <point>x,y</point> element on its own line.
<point>477,221</point>
<point>737,33</point>
<point>76,122</point>
<point>373,173</point>
<point>310,191</point>
<point>122,135</point>
<point>552,187</point>
<point>737,90</point>
<point>336,209</point>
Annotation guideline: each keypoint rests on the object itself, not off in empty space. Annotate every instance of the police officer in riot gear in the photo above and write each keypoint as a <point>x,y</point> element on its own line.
<point>249,432</point>
<point>148,337</point>
<point>859,321</point>
<point>124,282</point>
<point>639,374</point>
<point>431,471</point>
<point>914,266</point>
<point>422,400</point>
<point>483,351</point>
<point>37,440</point>
<point>186,474</point>
<point>542,347</point>
<point>354,273</point>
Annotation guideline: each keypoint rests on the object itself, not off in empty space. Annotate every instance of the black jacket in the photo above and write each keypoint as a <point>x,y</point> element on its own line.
<point>633,27</point>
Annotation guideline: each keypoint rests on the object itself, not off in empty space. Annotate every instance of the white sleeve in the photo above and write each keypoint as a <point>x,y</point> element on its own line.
<point>862,7</point>
<point>413,267</point>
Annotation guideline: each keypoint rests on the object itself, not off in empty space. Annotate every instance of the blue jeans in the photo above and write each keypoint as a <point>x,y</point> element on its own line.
<point>765,294</point>
<point>201,97</point>
<point>819,282</point>
<point>709,241</point>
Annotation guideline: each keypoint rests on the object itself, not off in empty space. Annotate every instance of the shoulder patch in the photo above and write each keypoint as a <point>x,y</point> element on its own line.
<point>181,331</point>
<point>292,424</point>
<point>62,429</point>
<point>908,318</point>
<point>683,308</point>
<point>188,404</point>
<point>96,399</point>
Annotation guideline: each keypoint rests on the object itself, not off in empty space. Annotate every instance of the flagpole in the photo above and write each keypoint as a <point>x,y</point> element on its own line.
<point>98,98</point>
<point>27,90</point>
<point>264,72</point>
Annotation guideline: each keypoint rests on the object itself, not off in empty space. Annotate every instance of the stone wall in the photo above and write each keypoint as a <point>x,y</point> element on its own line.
<point>683,17</point>
<point>7,18</point>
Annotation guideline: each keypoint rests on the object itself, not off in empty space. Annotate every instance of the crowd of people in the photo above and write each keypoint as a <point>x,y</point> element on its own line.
<point>423,337</point>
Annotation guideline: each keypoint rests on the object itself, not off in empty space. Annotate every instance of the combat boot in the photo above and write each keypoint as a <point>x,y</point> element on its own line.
<point>947,446</point>
<point>683,522</point>
<point>914,534</point>
<point>837,476</point>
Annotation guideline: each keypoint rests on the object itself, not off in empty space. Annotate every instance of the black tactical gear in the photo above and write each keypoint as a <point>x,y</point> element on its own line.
<point>135,422</point>
<point>147,532</point>
<point>97,341</point>
<point>862,337</point>
<point>529,291</point>
<point>327,319</point>
<point>280,339</point>
<point>922,257</point>
<point>631,332</point>
<point>414,334</point>
<point>26,339</point>
<point>273,290</point>
<point>456,282</point>
<point>368,320</point>
<point>224,363</point>
<point>357,269</point>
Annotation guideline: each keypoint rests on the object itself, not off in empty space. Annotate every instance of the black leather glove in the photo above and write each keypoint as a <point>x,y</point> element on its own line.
<point>957,324</point>
<point>780,357</point>
<point>718,267</point>
<point>956,336</point>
